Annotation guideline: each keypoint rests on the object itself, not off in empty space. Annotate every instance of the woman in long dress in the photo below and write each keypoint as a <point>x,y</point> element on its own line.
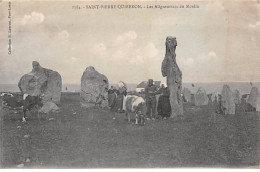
<point>122,91</point>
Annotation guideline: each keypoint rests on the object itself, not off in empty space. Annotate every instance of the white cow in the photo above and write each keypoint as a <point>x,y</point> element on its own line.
<point>134,104</point>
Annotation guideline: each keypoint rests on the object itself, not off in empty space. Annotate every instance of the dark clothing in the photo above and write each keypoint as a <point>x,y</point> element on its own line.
<point>118,105</point>
<point>111,91</point>
<point>219,109</point>
<point>164,106</point>
<point>150,92</point>
<point>111,99</point>
<point>161,90</point>
<point>151,105</point>
<point>122,91</point>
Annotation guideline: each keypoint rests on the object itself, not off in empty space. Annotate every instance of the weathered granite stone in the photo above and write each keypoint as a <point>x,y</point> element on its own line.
<point>42,81</point>
<point>228,103</point>
<point>171,70</point>
<point>94,88</point>
<point>254,98</point>
<point>201,98</point>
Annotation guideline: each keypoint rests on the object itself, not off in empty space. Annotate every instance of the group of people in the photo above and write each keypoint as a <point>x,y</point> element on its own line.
<point>156,98</point>
<point>162,104</point>
<point>116,97</point>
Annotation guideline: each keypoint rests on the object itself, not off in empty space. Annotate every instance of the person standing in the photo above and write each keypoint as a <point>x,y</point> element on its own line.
<point>150,92</point>
<point>111,97</point>
<point>158,95</point>
<point>121,93</point>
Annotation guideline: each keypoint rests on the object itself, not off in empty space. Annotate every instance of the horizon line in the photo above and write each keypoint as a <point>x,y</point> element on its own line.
<point>154,80</point>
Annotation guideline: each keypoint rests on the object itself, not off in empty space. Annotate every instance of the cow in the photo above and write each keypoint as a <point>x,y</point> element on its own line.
<point>30,102</point>
<point>25,101</point>
<point>11,100</point>
<point>135,104</point>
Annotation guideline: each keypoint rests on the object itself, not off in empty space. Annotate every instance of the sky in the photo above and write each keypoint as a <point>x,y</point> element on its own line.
<point>217,42</point>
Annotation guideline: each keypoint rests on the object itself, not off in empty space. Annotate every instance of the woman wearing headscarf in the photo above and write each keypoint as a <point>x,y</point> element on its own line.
<point>121,93</point>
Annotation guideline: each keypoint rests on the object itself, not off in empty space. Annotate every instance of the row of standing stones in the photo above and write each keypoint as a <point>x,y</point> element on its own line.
<point>94,87</point>
<point>48,84</point>
<point>231,100</point>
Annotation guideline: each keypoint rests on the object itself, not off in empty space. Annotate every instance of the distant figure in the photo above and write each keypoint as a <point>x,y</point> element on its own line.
<point>210,102</point>
<point>164,106</point>
<point>219,108</point>
<point>215,102</point>
<point>150,92</point>
<point>66,89</point>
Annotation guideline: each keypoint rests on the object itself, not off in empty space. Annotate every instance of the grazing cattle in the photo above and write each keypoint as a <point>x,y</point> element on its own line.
<point>26,102</point>
<point>12,101</point>
<point>135,104</point>
<point>30,102</point>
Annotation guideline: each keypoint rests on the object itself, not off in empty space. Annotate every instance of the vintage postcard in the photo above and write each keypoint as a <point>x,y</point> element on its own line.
<point>129,84</point>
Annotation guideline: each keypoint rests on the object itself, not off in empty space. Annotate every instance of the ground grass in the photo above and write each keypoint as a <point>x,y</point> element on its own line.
<point>92,138</point>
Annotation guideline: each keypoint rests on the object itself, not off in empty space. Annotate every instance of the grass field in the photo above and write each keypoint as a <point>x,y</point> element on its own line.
<point>98,138</point>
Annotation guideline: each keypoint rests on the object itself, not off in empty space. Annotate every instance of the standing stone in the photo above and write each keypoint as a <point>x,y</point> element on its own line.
<point>171,70</point>
<point>237,97</point>
<point>227,101</point>
<point>201,98</point>
<point>42,81</point>
<point>30,84</point>
<point>254,98</point>
<point>94,88</point>
<point>187,95</point>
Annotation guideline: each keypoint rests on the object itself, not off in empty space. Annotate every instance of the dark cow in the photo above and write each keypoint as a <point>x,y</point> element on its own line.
<point>26,102</point>
<point>11,100</point>
<point>30,102</point>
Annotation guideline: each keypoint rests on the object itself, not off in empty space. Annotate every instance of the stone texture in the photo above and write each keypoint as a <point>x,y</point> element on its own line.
<point>237,97</point>
<point>49,107</point>
<point>94,88</point>
<point>42,81</point>
<point>30,84</point>
<point>227,101</point>
<point>213,96</point>
<point>254,98</point>
<point>173,73</point>
<point>187,94</point>
<point>201,98</point>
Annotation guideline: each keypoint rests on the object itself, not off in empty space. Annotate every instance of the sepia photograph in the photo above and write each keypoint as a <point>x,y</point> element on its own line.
<point>129,84</point>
